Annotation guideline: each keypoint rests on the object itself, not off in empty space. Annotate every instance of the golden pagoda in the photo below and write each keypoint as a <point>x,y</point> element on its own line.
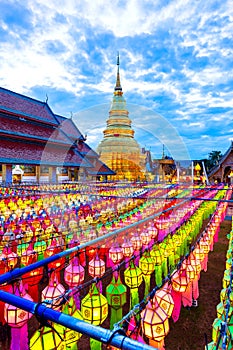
<point>118,149</point>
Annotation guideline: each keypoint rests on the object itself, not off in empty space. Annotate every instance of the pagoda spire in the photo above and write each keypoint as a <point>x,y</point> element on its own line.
<point>118,88</point>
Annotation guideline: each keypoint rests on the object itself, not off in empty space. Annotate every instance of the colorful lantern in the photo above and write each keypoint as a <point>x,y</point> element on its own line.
<point>116,296</point>
<point>74,276</point>
<point>163,298</point>
<point>17,319</point>
<point>154,322</point>
<point>32,280</point>
<point>137,245</point>
<point>70,336</point>
<point>180,281</point>
<point>53,292</point>
<point>52,249</point>
<point>11,257</point>
<point>94,308</point>
<point>116,254</point>
<point>46,338</point>
<point>96,267</point>
<point>133,279</point>
<point>145,237</point>
<point>128,250</point>
<point>39,248</point>
<point>156,256</point>
<point>74,273</point>
<point>29,256</point>
<point>146,264</point>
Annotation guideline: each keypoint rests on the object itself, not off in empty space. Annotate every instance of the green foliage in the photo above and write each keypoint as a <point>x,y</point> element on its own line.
<point>213,160</point>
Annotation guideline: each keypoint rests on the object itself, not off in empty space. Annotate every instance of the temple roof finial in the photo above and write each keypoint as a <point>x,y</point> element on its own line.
<point>118,88</point>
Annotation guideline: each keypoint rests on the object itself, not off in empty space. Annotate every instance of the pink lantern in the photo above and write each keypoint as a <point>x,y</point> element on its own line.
<point>74,276</point>
<point>11,257</point>
<point>53,292</point>
<point>96,267</point>
<point>74,273</point>
<point>17,319</point>
<point>137,242</point>
<point>127,248</point>
<point>116,254</point>
<point>145,237</point>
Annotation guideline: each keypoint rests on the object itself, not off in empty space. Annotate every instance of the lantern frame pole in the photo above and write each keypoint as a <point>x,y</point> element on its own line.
<point>103,335</point>
<point>18,272</point>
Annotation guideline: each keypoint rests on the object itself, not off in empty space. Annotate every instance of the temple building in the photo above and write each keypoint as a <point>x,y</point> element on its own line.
<point>118,149</point>
<point>37,145</point>
<point>223,171</point>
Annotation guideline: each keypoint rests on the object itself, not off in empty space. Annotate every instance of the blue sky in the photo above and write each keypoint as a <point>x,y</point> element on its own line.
<point>176,66</point>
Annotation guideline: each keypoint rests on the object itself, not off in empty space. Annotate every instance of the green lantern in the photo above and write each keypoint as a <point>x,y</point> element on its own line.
<point>39,248</point>
<point>94,308</point>
<point>133,279</point>
<point>116,297</point>
<point>147,266</point>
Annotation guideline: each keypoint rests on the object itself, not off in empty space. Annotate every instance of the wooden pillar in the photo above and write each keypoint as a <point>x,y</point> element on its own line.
<point>52,174</point>
<point>76,174</point>
<point>38,173</point>
<point>70,174</point>
<point>7,173</point>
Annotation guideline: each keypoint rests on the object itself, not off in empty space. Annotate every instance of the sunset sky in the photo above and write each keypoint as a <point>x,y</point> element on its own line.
<point>175,66</point>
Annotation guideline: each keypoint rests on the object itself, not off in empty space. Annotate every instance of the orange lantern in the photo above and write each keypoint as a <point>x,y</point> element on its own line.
<point>180,281</point>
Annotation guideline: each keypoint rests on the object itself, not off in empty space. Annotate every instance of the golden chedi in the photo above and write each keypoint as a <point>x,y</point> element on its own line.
<point>118,149</point>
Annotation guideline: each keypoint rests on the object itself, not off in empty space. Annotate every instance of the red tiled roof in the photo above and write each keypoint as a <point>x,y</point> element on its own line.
<point>86,150</point>
<point>26,129</point>
<point>16,152</point>
<point>69,128</point>
<point>26,107</point>
<point>100,169</point>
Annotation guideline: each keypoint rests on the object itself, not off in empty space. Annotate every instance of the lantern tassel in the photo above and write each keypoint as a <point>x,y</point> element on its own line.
<point>147,284</point>
<point>116,315</point>
<point>95,344</point>
<point>195,288</point>
<point>158,275</point>
<point>187,299</point>
<point>164,267</point>
<point>19,338</point>
<point>134,298</point>
<point>176,296</point>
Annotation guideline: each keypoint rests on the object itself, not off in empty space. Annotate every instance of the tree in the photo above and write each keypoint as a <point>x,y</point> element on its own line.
<point>213,160</point>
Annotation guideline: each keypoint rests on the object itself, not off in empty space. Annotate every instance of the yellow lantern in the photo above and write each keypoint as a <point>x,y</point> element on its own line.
<point>154,323</point>
<point>94,307</point>
<point>199,253</point>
